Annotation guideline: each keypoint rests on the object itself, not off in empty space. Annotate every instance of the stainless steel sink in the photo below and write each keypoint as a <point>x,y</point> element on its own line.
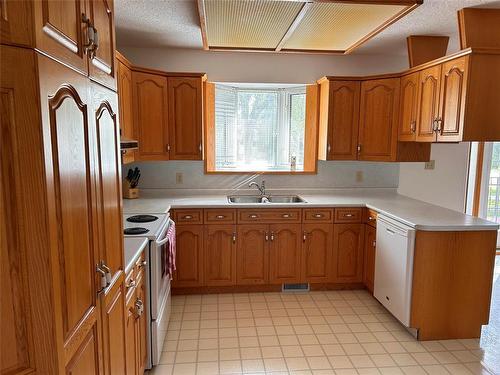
<point>261,200</point>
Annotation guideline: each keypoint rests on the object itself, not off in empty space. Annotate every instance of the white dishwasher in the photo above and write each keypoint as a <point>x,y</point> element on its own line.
<point>394,267</point>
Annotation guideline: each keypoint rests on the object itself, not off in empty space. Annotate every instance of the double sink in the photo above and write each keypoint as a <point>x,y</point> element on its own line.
<point>265,199</point>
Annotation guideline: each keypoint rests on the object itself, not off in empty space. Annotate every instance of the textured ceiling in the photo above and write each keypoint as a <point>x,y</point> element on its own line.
<point>175,24</point>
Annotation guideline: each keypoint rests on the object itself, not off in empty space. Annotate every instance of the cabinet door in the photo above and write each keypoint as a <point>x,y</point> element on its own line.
<point>343,121</point>
<point>428,103</point>
<point>452,103</point>
<point>142,322</point>
<point>113,327</point>
<point>220,255</point>
<point>108,176</point>
<point>131,335</point>
<point>408,107</point>
<point>124,83</point>
<point>102,66</point>
<point>60,31</point>
<point>284,253</point>
<point>185,117</point>
<point>150,115</point>
<point>379,116</point>
<point>369,263</point>
<point>253,254</point>
<point>317,253</point>
<point>189,256</point>
<point>69,165</point>
<point>16,22</point>
<point>348,244</point>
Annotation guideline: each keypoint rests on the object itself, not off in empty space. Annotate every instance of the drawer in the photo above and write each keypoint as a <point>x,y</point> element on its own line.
<point>188,216</point>
<point>269,216</point>
<point>348,215</point>
<point>318,215</point>
<point>221,216</point>
<point>371,217</point>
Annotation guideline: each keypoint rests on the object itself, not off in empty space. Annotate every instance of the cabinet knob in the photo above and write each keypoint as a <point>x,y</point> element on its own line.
<point>168,148</point>
<point>220,216</point>
<point>253,216</point>
<point>266,236</point>
<point>328,148</point>
<point>370,218</point>
<point>318,216</point>
<point>131,283</point>
<point>285,216</point>
<point>413,126</point>
<point>348,215</point>
<point>374,244</point>
<point>234,237</point>
<point>187,217</point>
<point>143,264</point>
<point>272,236</point>
<point>304,236</point>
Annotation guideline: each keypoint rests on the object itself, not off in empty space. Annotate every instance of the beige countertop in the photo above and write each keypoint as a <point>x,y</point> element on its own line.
<point>414,213</point>
<point>133,247</point>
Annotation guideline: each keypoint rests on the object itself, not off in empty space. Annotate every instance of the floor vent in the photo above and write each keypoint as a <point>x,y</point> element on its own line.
<point>295,287</point>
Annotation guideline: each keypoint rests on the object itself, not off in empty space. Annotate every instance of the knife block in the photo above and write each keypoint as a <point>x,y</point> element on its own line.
<point>130,193</point>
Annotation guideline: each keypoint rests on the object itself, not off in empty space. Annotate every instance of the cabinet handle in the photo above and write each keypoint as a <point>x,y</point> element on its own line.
<point>220,216</point>
<point>370,218</point>
<point>413,126</point>
<point>93,42</point>
<point>439,123</point>
<point>348,215</point>
<point>102,276</point>
<point>200,147</point>
<point>285,216</point>
<point>359,149</point>
<point>131,283</point>
<point>374,244</point>
<point>328,148</point>
<point>304,236</point>
<point>272,236</point>
<point>253,216</point>
<point>435,125</point>
<point>143,264</point>
<point>266,236</point>
<point>139,307</point>
<point>318,216</point>
<point>107,271</point>
<point>168,148</point>
<point>187,217</point>
<point>234,237</point>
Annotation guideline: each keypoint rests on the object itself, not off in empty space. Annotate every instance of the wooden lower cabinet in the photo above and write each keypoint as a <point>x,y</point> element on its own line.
<point>317,246</point>
<point>369,257</point>
<point>220,255</point>
<point>348,244</point>
<point>189,256</point>
<point>285,251</point>
<point>252,254</point>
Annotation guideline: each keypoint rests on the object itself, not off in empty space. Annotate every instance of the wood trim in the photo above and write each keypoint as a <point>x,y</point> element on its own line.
<point>209,126</point>
<point>311,129</point>
<point>123,59</point>
<point>479,27</point>
<point>423,48</point>
<point>479,177</point>
<point>203,23</point>
<point>298,19</point>
<point>167,74</point>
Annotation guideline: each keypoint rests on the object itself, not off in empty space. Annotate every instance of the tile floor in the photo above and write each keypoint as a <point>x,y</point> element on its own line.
<point>334,332</point>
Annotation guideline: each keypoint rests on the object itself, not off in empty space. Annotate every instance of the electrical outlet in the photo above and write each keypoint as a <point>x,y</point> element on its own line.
<point>359,176</point>
<point>431,164</point>
<point>179,178</point>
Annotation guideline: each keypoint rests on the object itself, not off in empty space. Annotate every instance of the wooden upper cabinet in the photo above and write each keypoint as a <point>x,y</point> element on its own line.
<point>317,249</point>
<point>105,123</point>
<point>379,116</point>
<point>450,123</point>
<point>185,117</point>
<point>348,245</point>
<point>189,256</point>
<point>369,257</point>
<point>220,255</point>
<point>102,61</point>
<point>253,254</point>
<point>61,32</point>
<point>284,253</point>
<point>16,23</point>
<point>150,96</point>
<point>408,107</point>
<point>125,104</point>
<point>343,120</point>
<point>428,103</point>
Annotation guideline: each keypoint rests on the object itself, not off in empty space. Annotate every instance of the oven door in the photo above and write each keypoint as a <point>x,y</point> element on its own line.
<point>160,279</point>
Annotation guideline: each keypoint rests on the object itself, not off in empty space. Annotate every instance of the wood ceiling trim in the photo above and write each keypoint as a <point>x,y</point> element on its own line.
<point>203,23</point>
<point>298,19</point>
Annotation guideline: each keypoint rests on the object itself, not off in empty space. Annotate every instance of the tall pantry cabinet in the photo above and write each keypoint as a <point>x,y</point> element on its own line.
<point>63,304</point>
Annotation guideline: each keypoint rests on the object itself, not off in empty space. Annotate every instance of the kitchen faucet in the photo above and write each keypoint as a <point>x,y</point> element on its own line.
<point>262,187</point>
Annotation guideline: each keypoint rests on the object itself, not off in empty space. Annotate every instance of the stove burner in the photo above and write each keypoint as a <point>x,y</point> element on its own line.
<point>135,230</point>
<point>142,218</point>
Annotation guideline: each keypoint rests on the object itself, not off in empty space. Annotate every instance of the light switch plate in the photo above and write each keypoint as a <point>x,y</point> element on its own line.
<point>431,164</point>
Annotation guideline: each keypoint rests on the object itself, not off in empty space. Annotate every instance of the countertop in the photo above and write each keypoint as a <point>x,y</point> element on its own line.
<point>133,247</point>
<point>414,213</point>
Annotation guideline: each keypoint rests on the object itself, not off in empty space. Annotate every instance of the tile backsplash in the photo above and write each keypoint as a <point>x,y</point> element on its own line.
<point>331,174</point>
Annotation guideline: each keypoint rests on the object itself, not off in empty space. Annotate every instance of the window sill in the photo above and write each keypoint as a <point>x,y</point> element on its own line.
<point>261,172</point>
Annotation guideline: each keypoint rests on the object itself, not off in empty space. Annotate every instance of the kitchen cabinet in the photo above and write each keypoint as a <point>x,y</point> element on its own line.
<point>17,27</point>
<point>150,103</point>
<point>285,245</point>
<point>125,104</point>
<point>428,103</point>
<point>317,247</point>
<point>408,107</point>
<point>185,116</point>
<point>348,245</point>
<point>252,254</point>
<point>339,119</point>
<point>369,257</point>
<point>220,255</point>
<point>378,123</point>
<point>189,256</point>
<point>131,334</point>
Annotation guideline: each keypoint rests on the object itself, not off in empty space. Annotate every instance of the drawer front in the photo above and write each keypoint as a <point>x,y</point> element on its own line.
<point>220,216</point>
<point>269,216</point>
<point>186,216</point>
<point>318,215</point>
<point>348,215</point>
<point>371,217</point>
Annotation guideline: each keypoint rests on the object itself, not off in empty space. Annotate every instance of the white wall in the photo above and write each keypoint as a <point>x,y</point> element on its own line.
<point>446,185</point>
<point>262,67</point>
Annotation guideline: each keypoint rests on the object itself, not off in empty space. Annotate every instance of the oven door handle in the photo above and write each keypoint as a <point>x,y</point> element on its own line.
<point>162,242</point>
